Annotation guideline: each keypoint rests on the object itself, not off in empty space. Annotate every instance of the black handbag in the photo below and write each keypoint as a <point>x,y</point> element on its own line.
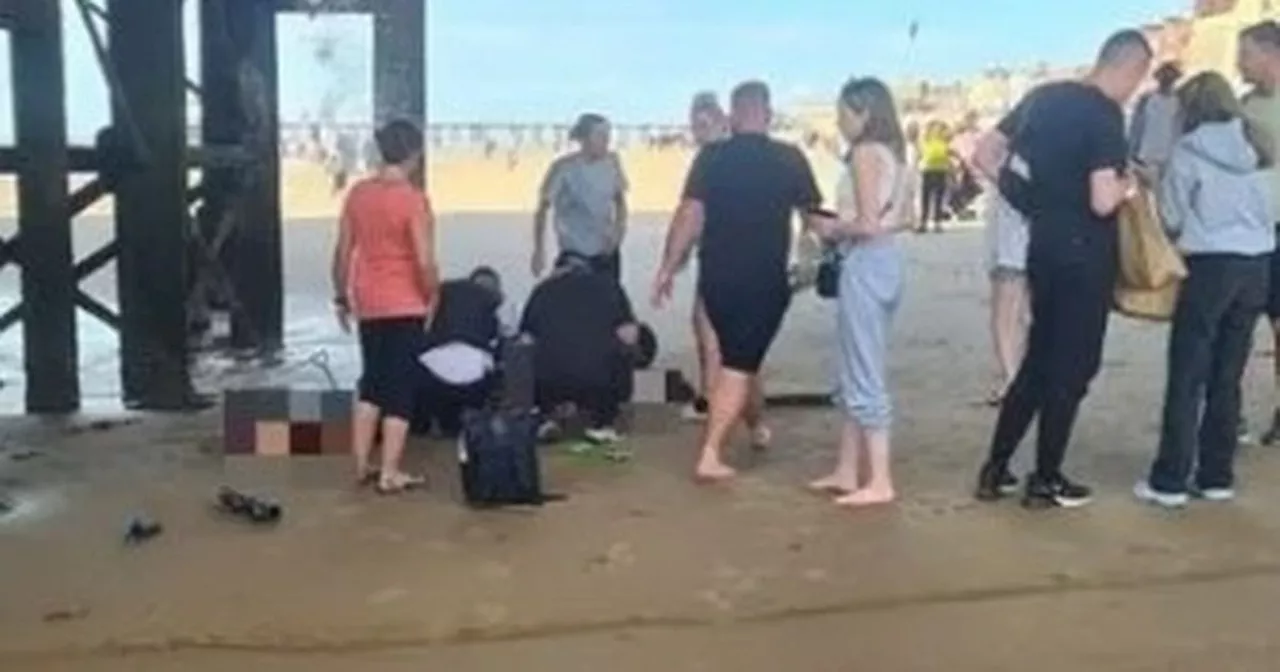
<point>498,459</point>
<point>827,281</point>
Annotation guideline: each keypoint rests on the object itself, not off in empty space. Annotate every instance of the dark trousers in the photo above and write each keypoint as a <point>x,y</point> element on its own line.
<point>610,264</point>
<point>1070,303</point>
<point>933,192</point>
<point>441,405</point>
<point>1209,345</point>
<point>599,401</point>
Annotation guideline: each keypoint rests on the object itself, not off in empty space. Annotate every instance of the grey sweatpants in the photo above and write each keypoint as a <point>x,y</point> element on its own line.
<point>870,291</point>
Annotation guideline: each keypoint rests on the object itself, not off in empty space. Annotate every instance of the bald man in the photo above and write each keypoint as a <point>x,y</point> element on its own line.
<point>739,198</point>
<point>1063,163</point>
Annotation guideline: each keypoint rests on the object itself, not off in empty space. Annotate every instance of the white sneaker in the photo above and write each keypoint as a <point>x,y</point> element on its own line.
<point>602,436</point>
<point>1167,500</point>
<point>1217,494</point>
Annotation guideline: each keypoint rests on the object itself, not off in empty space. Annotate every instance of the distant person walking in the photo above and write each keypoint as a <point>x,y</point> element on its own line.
<point>586,192</point>
<point>1067,173</point>
<point>707,124</point>
<point>872,208</point>
<point>1215,202</point>
<point>1259,63</point>
<point>385,275</point>
<point>1154,128</point>
<point>935,172</point>
<point>739,197</point>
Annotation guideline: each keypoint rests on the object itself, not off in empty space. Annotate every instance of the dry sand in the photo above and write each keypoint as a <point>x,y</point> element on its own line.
<point>462,182</point>
<point>640,570</point>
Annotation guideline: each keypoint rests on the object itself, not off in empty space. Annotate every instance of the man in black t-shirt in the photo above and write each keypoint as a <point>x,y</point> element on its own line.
<point>583,329</point>
<point>1064,164</point>
<point>739,198</point>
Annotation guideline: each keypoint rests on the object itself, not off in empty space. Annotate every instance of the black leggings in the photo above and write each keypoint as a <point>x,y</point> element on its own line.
<point>933,192</point>
<point>389,350</point>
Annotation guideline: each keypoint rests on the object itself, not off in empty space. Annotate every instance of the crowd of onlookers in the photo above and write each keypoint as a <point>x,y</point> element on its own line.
<point>1059,169</point>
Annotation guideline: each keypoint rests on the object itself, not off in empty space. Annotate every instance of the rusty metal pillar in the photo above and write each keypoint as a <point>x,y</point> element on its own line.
<point>146,47</point>
<point>400,62</point>
<point>50,352</point>
<point>242,202</point>
<point>256,249</point>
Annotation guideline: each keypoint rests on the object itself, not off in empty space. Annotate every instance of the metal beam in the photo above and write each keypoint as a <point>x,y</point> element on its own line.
<point>79,160</point>
<point>400,63</point>
<point>328,6</point>
<point>50,353</point>
<point>241,107</point>
<point>146,52</point>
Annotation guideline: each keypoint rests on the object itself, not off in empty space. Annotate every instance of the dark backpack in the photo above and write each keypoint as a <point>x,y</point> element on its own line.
<point>498,458</point>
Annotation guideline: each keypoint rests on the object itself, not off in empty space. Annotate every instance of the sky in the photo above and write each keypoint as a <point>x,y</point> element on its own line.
<point>637,60</point>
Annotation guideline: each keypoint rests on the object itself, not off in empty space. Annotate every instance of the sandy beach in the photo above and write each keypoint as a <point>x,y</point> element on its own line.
<point>639,570</point>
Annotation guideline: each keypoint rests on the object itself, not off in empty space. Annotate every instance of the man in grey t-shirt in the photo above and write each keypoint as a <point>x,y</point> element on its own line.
<point>586,193</point>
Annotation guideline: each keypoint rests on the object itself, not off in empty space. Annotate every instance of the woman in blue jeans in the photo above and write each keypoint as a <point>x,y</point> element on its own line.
<point>872,200</point>
<point>1214,201</point>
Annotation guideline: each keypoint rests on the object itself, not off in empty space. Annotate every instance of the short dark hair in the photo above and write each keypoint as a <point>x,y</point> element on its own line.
<point>584,125</point>
<point>398,141</point>
<point>1264,33</point>
<point>484,273</point>
<point>751,91</point>
<point>1120,44</point>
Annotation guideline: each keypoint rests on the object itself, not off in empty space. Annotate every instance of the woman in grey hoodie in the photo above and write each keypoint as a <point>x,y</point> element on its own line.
<point>1214,202</point>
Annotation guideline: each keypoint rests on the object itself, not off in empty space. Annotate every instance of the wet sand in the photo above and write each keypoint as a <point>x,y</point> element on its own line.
<point>640,570</point>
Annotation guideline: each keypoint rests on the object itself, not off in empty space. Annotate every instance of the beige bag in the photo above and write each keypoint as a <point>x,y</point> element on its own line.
<point>1151,270</point>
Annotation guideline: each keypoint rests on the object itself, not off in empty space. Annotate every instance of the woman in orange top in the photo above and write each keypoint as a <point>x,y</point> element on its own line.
<point>384,274</point>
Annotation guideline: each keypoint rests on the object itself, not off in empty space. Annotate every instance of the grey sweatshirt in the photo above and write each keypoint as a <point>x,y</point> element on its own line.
<point>1154,129</point>
<point>1213,197</point>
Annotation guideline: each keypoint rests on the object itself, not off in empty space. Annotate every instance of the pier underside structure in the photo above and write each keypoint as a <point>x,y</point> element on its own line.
<point>196,223</point>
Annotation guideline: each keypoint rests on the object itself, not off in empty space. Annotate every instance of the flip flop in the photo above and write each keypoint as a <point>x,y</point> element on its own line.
<point>403,483</point>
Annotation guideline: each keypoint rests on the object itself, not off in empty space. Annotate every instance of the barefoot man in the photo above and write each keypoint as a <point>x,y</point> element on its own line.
<point>738,201</point>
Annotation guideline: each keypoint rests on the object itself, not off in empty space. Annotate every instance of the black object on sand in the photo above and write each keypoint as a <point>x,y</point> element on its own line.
<point>141,529</point>
<point>254,509</point>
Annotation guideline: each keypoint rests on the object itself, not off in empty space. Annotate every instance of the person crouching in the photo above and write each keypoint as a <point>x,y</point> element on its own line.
<point>1214,201</point>
<point>459,360</point>
<point>585,334</point>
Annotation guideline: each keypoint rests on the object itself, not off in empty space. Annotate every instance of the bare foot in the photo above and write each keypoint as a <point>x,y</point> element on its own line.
<point>835,484</point>
<point>866,497</point>
<point>713,472</point>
